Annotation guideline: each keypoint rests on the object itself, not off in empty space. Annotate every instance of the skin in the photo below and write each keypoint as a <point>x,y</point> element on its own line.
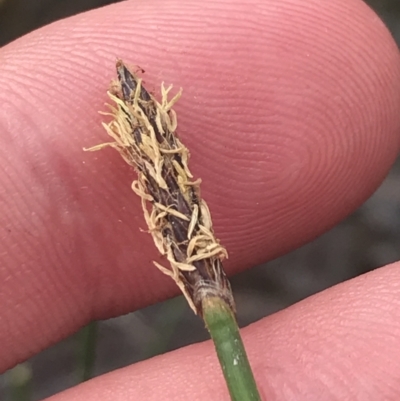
<point>290,110</point>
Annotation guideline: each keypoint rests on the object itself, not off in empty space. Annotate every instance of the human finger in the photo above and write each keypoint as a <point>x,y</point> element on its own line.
<point>290,125</point>
<point>340,344</point>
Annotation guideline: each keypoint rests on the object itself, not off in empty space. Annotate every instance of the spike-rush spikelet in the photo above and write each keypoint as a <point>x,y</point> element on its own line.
<point>143,131</point>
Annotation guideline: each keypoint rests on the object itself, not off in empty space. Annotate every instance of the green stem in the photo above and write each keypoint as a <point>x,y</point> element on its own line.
<point>223,328</point>
<point>87,355</point>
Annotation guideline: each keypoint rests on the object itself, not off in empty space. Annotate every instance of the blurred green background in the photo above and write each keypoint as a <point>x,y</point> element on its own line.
<point>366,240</point>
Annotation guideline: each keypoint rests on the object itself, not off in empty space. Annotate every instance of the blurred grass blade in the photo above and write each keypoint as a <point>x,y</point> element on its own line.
<point>20,382</point>
<point>87,351</point>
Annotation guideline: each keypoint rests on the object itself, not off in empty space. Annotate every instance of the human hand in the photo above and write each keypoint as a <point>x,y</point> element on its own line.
<point>290,110</point>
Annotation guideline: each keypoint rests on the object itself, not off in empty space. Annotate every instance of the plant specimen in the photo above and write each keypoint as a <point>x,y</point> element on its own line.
<point>144,132</point>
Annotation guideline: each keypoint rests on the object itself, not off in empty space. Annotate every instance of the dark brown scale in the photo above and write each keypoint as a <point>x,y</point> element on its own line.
<point>149,109</point>
<point>137,134</point>
<point>183,206</point>
<point>153,188</point>
<point>179,252</point>
<point>179,227</point>
<point>129,84</point>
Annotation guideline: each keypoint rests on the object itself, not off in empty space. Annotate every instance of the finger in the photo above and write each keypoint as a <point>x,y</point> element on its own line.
<point>337,345</point>
<point>290,125</point>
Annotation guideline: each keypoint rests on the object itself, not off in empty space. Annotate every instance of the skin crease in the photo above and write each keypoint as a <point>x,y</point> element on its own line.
<point>290,110</point>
